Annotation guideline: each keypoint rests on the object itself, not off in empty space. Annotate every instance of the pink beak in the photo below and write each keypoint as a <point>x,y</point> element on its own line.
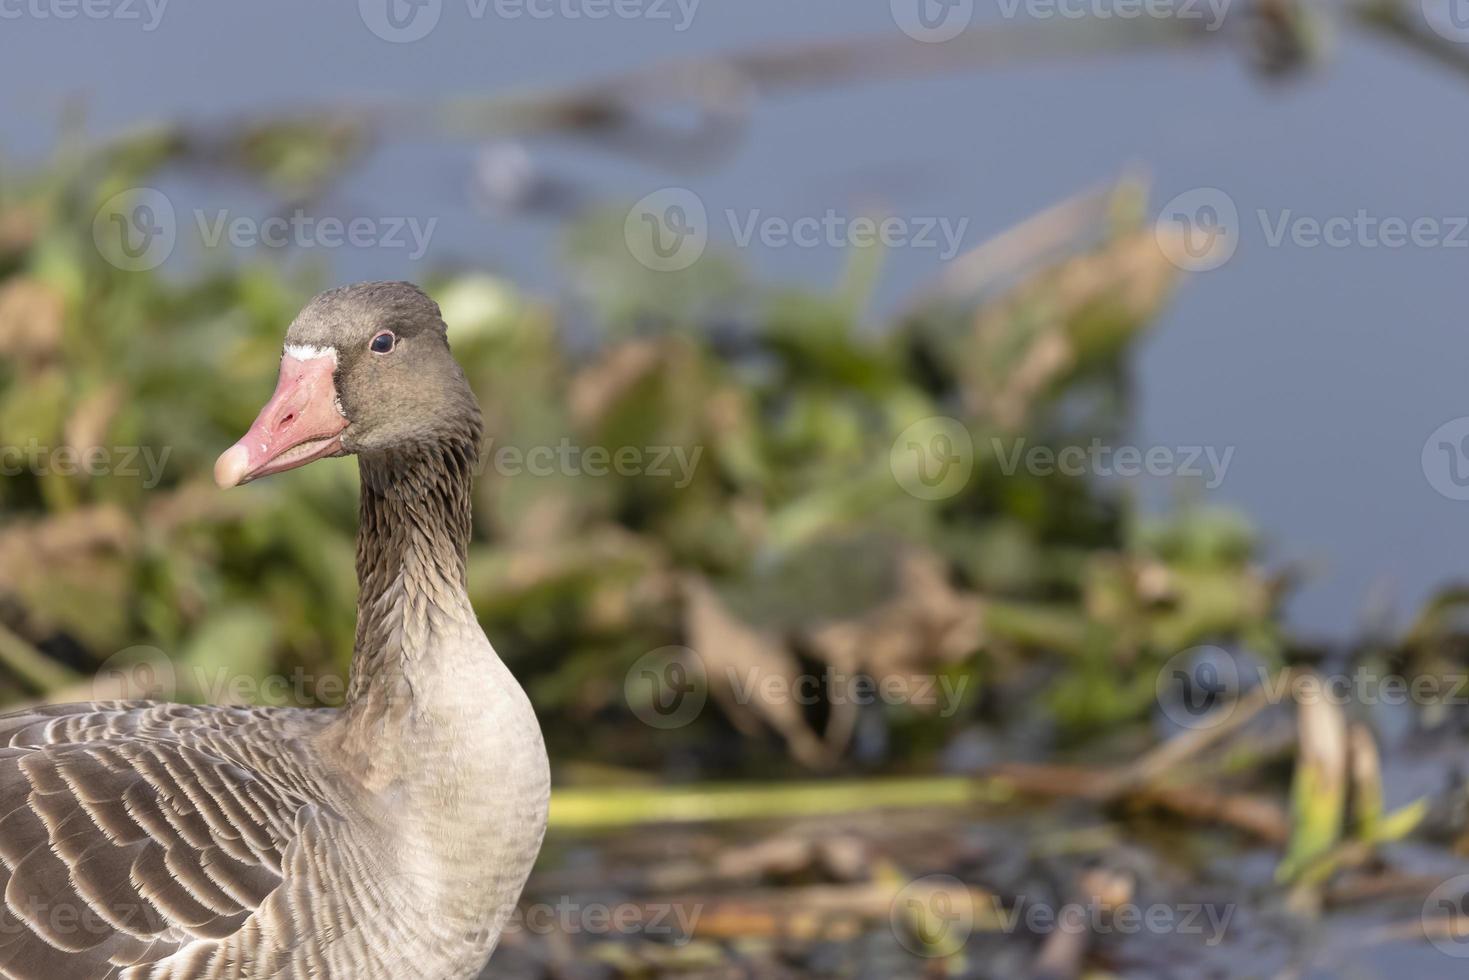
<point>300,423</point>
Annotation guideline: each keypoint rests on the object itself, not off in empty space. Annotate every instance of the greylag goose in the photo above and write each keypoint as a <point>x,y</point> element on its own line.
<point>388,839</point>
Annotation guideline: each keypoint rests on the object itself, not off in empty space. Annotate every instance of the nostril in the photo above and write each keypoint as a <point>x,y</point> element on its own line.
<point>286,422</point>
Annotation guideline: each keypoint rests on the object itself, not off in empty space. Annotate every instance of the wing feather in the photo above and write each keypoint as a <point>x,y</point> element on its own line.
<point>135,844</point>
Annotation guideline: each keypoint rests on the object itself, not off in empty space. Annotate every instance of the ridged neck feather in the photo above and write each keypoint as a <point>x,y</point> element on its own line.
<point>412,546</point>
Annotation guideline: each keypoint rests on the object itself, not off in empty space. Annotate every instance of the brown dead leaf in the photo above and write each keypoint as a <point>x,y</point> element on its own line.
<point>1027,340</point>
<point>925,624</point>
<point>19,227</point>
<point>31,318</point>
<point>595,389</point>
<point>751,672</point>
<point>91,420</point>
<point>88,531</point>
<point>837,857</point>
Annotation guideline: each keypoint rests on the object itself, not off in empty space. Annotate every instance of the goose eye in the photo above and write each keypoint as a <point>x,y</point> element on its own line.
<point>383,342</point>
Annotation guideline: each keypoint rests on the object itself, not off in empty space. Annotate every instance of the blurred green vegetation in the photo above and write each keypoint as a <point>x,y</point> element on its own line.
<point>785,543</point>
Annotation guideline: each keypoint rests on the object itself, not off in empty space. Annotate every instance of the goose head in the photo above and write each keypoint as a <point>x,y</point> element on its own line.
<point>366,370</point>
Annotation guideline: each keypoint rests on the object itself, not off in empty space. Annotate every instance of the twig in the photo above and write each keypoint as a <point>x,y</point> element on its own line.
<point>618,807</point>
<point>1169,756</point>
<point>1064,952</point>
<point>1003,256</point>
<point>1256,815</point>
<point>614,111</point>
<point>37,670</point>
<point>1393,20</point>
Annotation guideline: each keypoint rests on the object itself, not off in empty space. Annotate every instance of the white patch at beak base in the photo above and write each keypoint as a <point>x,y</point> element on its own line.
<point>306,352</point>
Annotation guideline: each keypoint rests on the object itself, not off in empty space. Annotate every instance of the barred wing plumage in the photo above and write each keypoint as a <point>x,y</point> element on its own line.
<point>138,844</point>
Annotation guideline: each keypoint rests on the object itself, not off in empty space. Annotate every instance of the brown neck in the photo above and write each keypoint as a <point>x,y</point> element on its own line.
<point>412,544</point>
